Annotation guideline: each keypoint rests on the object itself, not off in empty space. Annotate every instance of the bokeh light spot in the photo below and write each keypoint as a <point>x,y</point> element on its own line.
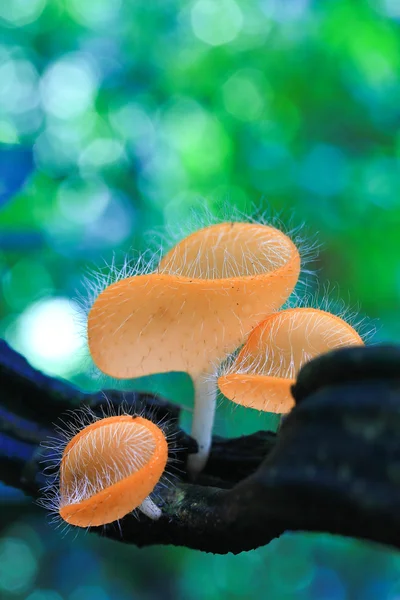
<point>82,201</point>
<point>390,7</point>
<point>8,133</point>
<point>93,13</point>
<point>216,23</point>
<point>162,176</point>
<point>101,152</point>
<point>68,87</point>
<point>62,141</point>
<point>24,531</point>
<point>243,95</point>
<point>17,13</point>
<point>114,225</point>
<point>378,180</point>
<point>18,566</point>
<point>134,125</point>
<point>185,123</point>
<point>48,334</point>
<point>198,136</point>
<point>18,90</point>
<point>287,10</point>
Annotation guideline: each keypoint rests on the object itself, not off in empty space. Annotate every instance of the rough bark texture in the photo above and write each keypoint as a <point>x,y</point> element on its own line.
<point>333,467</point>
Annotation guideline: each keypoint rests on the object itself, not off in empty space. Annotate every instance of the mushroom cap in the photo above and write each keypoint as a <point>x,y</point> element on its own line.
<point>270,394</point>
<point>230,250</point>
<point>109,468</point>
<point>266,367</point>
<point>207,294</point>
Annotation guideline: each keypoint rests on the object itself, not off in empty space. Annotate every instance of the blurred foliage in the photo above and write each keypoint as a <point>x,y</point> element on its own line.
<point>118,117</point>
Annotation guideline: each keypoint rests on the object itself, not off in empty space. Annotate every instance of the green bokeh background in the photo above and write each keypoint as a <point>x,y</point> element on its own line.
<point>134,116</point>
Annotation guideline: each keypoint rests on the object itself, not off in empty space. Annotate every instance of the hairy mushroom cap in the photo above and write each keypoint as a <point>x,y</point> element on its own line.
<point>209,291</point>
<point>109,468</point>
<point>265,369</point>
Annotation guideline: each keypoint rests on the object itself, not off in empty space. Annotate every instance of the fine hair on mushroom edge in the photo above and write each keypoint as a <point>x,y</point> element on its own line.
<point>161,240</point>
<point>204,297</point>
<point>102,467</point>
<point>260,374</point>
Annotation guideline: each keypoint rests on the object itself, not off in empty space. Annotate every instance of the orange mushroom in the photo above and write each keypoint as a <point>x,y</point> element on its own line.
<point>109,468</point>
<point>266,367</point>
<point>208,293</point>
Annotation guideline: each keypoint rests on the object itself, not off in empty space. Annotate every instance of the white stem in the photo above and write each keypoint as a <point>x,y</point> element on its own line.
<point>150,509</point>
<point>205,395</point>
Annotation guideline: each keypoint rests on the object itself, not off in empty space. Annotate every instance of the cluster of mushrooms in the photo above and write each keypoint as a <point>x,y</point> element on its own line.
<point>212,309</point>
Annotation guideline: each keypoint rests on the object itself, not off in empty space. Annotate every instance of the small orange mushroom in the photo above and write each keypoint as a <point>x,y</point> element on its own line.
<point>266,367</point>
<point>208,293</point>
<point>110,468</point>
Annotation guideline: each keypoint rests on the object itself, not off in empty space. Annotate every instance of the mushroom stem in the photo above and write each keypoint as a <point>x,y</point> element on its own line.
<point>205,395</point>
<point>150,509</point>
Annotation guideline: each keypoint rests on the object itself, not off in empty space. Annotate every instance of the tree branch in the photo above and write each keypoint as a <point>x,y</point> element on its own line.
<point>334,466</point>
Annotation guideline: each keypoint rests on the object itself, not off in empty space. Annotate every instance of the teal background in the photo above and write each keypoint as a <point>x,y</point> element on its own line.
<point>118,119</point>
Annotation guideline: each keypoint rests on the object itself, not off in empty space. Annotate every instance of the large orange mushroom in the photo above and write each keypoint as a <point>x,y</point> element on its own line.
<point>265,369</point>
<point>207,294</point>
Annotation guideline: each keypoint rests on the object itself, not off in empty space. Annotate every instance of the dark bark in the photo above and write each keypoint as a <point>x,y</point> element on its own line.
<point>333,467</point>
